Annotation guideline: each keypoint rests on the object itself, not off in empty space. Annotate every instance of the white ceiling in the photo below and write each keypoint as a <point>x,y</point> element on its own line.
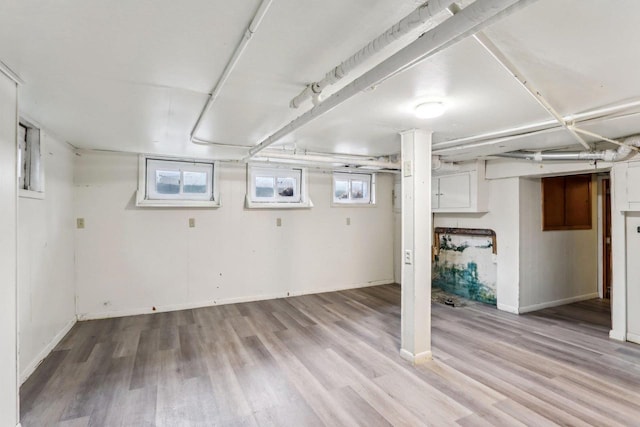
<point>133,75</point>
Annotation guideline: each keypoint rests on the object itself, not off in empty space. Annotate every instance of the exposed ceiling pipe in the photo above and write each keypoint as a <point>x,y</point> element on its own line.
<point>603,138</point>
<point>330,160</point>
<point>439,165</point>
<point>600,112</point>
<point>502,59</point>
<point>470,20</point>
<point>623,152</point>
<point>242,45</point>
<point>416,19</point>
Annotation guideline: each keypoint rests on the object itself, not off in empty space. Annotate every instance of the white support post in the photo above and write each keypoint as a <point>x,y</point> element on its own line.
<point>618,255</point>
<point>416,246</point>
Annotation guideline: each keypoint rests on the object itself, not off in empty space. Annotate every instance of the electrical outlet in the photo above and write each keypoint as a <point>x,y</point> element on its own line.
<point>348,221</point>
<point>79,222</point>
<point>278,222</point>
<point>192,222</point>
<point>408,257</point>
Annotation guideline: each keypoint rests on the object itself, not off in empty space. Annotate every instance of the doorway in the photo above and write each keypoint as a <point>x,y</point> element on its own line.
<point>606,237</point>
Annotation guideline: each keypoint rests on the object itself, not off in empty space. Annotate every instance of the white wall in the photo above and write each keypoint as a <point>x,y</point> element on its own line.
<point>633,277</point>
<point>46,291</point>
<point>503,218</point>
<point>132,259</point>
<point>8,202</point>
<point>556,267</point>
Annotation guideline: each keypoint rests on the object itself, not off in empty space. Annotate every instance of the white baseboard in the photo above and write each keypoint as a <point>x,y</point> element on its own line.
<point>30,369</point>
<point>615,334</point>
<point>200,304</point>
<point>416,359</point>
<point>507,308</point>
<point>634,338</point>
<point>556,303</point>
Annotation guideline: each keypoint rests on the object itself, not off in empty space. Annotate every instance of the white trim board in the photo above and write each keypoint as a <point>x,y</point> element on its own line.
<point>30,369</point>
<point>507,308</point>
<point>416,359</point>
<point>535,307</point>
<point>634,338</point>
<point>211,303</point>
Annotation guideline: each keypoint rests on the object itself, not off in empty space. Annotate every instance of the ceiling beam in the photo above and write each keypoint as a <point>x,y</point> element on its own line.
<point>468,21</point>
<point>528,86</point>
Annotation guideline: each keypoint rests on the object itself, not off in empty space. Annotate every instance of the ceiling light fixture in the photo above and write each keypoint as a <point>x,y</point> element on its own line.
<point>429,110</point>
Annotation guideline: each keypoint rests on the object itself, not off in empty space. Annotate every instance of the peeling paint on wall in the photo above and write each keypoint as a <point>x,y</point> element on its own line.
<point>465,266</point>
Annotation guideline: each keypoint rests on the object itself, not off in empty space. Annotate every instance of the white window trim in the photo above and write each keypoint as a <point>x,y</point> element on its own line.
<point>304,202</point>
<point>141,194</point>
<point>33,194</point>
<point>351,203</point>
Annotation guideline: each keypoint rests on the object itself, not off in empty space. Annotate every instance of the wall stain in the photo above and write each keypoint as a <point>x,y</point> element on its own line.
<point>457,269</point>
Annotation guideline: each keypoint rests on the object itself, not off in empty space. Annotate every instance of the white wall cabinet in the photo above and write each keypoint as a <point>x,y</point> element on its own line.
<point>460,191</point>
<point>626,180</point>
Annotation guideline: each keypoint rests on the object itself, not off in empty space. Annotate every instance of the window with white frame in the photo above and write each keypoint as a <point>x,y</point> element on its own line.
<point>276,187</point>
<point>177,182</point>
<point>30,168</point>
<point>353,188</point>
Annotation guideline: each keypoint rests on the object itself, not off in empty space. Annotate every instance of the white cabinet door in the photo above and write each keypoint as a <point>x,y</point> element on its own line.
<point>633,183</point>
<point>454,191</point>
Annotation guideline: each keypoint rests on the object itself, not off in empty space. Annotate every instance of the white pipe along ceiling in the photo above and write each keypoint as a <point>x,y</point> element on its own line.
<point>416,19</point>
<point>235,57</point>
<point>623,152</point>
<point>468,21</point>
<point>596,115</point>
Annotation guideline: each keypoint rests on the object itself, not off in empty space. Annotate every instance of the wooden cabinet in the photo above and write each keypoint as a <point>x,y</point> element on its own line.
<point>460,191</point>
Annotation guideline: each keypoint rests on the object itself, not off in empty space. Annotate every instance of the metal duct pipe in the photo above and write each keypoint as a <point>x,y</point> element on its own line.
<point>414,20</point>
<point>623,152</point>
<point>248,34</point>
<point>439,165</point>
<point>470,20</point>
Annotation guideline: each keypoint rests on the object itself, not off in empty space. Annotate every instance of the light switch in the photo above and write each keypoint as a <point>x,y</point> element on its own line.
<point>408,257</point>
<point>79,222</point>
<point>192,222</point>
<point>406,168</point>
<point>278,222</point>
<point>348,221</point>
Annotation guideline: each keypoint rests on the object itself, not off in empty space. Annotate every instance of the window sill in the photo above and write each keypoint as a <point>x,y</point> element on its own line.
<point>308,204</point>
<point>28,194</point>
<point>146,203</point>
<point>352,205</point>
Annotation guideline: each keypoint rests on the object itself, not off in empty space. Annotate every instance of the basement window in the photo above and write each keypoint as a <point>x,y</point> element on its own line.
<point>566,203</point>
<point>277,187</point>
<point>30,164</point>
<point>177,182</point>
<point>353,188</point>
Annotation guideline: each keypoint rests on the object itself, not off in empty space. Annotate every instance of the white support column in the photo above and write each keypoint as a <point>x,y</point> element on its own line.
<point>618,254</point>
<point>416,246</point>
<point>8,248</point>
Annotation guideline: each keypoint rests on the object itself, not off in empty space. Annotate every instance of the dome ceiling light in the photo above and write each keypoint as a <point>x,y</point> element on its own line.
<point>429,110</point>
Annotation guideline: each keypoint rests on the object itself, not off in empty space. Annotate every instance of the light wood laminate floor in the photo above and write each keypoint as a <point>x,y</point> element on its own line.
<point>332,359</point>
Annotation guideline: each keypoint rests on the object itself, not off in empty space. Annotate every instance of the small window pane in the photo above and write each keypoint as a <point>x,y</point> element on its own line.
<point>286,186</point>
<point>357,189</point>
<point>264,186</point>
<point>168,182</point>
<point>195,182</point>
<point>342,189</point>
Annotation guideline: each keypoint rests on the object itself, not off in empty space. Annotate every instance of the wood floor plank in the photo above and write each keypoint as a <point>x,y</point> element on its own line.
<point>333,359</point>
